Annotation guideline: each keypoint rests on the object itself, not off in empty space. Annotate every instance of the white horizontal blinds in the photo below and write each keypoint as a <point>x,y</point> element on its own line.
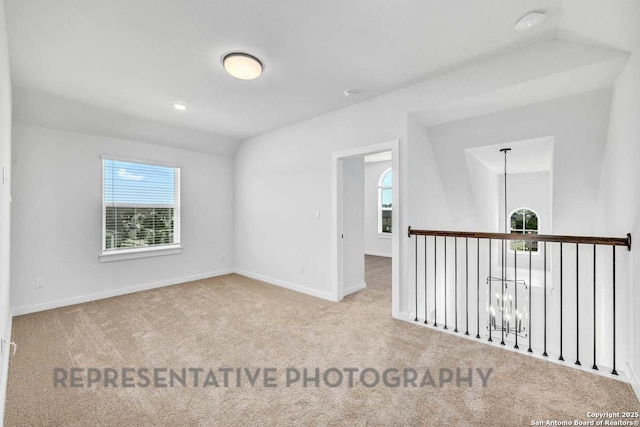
<point>141,205</point>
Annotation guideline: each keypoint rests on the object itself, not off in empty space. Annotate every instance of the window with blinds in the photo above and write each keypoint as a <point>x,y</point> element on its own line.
<point>141,205</point>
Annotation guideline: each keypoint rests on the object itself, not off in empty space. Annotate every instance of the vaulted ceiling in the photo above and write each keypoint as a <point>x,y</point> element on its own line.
<point>140,57</point>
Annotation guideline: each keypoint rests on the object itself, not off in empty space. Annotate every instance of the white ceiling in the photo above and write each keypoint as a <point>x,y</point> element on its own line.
<point>140,57</point>
<point>528,156</point>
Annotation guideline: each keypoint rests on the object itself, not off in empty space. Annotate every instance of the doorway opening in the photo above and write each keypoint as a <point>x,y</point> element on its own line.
<point>366,238</point>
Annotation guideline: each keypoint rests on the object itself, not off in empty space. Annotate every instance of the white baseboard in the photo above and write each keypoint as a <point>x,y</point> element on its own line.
<point>287,285</point>
<point>348,290</point>
<point>404,315</point>
<point>6,354</point>
<point>603,371</point>
<point>17,311</point>
<point>633,380</point>
<point>376,253</point>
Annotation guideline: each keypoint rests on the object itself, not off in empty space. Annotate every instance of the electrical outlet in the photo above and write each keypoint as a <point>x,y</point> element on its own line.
<point>301,269</point>
<point>221,257</point>
<point>39,283</point>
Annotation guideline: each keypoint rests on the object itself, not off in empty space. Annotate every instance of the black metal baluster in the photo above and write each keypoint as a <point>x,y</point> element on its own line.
<point>416,256</point>
<point>490,295</point>
<point>435,281</point>
<point>511,316</point>
<point>478,289</point>
<point>594,309</point>
<point>530,286</point>
<point>425,280</point>
<point>577,305</point>
<point>466,260</point>
<point>504,274</point>
<point>545,299</point>
<point>515,290</point>
<point>445,283</point>
<point>455,280</point>
<point>614,372</point>
<point>561,358</point>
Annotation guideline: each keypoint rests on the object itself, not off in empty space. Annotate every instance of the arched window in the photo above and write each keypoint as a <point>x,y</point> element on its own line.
<point>385,201</point>
<point>524,221</point>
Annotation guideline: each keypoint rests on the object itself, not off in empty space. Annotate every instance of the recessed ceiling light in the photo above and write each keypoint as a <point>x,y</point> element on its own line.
<point>530,20</point>
<point>180,107</point>
<point>242,65</point>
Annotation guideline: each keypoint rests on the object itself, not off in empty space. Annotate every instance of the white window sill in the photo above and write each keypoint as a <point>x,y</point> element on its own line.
<point>140,253</point>
<point>385,235</point>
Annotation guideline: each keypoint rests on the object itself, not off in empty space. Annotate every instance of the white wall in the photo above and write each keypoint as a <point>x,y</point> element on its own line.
<point>578,124</point>
<point>374,243</point>
<point>284,177</point>
<point>352,224</point>
<point>619,201</point>
<point>427,208</point>
<point>57,231</point>
<point>5,198</point>
<point>486,194</point>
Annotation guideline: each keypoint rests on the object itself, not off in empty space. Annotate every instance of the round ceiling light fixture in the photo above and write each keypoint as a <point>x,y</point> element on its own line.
<point>530,20</point>
<point>242,65</point>
<point>180,107</point>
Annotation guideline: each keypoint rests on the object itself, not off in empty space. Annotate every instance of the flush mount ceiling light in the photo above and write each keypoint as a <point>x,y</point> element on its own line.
<point>530,20</point>
<point>242,65</point>
<point>180,107</point>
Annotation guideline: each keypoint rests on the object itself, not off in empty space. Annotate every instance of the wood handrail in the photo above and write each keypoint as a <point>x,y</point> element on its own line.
<point>610,241</point>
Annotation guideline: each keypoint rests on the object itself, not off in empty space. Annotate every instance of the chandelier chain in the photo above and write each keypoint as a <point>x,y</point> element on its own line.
<point>505,162</point>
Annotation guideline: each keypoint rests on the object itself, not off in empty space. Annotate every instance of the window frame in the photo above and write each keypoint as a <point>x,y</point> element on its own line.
<point>380,209</point>
<point>523,252</point>
<point>146,251</point>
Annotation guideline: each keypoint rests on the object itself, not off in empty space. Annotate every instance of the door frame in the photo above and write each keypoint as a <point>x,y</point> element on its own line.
<point>337,287</point>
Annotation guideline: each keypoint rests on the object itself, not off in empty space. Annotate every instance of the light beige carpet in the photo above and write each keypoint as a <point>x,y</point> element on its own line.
<point>232,321</point>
